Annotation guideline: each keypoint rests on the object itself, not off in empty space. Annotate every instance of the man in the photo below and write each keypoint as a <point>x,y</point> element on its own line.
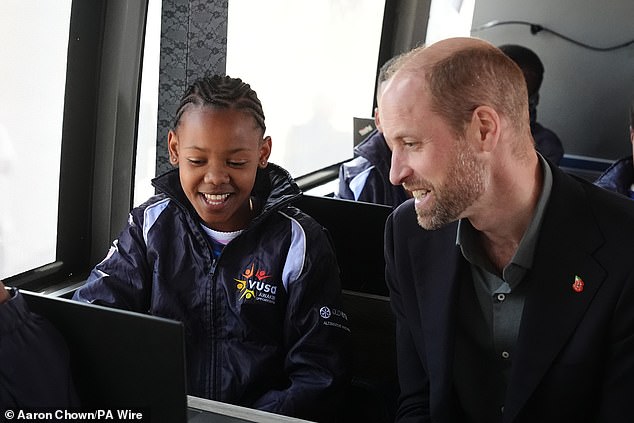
<point>546,141</point>
<point>367,176</point>
<point>514,293</point>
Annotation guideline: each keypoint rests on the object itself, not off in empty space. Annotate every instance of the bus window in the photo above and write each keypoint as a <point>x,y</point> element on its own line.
<point>145,168</point>
<point>313,65</point>
<point>449,19</point>
<point>32,81</point>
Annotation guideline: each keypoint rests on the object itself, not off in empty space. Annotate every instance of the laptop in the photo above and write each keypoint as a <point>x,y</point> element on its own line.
<point>356,229</point>
<point>121,360</point>
<point>361,128</point>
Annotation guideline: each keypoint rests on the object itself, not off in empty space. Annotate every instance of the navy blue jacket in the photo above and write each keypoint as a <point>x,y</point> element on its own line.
<point>264,325</point>
<point>34,361</point>
<point>367,176</point>
<point>619,177</point>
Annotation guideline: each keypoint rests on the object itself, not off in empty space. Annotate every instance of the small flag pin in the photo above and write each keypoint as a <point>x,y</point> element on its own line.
<point>577,285</point>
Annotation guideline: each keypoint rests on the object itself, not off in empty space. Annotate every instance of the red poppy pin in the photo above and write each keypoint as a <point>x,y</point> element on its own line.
<point>577,285</point>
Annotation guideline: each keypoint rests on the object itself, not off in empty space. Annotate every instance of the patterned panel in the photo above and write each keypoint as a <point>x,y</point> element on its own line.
<point>172,71</point>
<point>193,43</point>
<point>207,38</point>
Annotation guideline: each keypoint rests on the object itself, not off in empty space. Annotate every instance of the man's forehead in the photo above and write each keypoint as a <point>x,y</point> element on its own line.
<point>403,87</point>
<point>402,104</point>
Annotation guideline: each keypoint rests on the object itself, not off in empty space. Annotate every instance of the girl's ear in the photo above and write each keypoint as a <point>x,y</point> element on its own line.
<point>172,147</point>
<point>265,152</point>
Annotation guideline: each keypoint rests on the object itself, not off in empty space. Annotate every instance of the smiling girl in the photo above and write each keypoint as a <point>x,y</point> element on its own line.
<point>222,249</point>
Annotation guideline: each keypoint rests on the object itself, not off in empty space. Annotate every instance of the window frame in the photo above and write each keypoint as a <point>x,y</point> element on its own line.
<point>98,138</point>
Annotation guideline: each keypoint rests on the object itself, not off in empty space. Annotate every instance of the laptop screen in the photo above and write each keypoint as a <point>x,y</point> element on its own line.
<point>356,229</point>
<point>121,360</point>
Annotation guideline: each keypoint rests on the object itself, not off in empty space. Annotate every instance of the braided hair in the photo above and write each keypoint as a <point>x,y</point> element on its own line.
<point>222,92</point>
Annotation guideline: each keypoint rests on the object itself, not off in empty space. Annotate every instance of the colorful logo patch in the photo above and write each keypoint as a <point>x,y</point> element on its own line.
<point>253,285</point>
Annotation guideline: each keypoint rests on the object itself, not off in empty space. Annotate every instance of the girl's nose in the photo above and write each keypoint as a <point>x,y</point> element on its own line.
<point>216,176</point>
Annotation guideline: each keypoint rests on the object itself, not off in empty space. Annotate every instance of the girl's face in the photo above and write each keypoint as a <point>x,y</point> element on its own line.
<point>218,152</point>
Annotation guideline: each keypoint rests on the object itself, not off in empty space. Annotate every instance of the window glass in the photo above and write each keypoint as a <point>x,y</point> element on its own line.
<point>34,48</point>
<point>313,65</point>
<point>145,168</point>
<point>449,18</point>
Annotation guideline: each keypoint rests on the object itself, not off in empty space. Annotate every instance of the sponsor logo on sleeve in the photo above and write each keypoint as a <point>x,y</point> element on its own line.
<point>334,317</point>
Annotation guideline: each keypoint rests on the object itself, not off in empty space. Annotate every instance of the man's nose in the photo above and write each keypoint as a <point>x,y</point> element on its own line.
<point>399,169</point>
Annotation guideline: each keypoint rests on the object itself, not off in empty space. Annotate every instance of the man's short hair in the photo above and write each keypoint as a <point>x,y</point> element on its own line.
<point>473,77</point>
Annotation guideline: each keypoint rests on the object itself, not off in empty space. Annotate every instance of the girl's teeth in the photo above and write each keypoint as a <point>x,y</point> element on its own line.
<point>216,198</point>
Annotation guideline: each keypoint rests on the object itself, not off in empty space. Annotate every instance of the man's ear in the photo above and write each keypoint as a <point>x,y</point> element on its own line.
<point>485,125</point>
<point>377,119</point>
<point>172,147</point>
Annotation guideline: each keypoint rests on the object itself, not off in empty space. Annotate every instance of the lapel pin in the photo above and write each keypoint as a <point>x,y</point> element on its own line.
<point>577,285</point>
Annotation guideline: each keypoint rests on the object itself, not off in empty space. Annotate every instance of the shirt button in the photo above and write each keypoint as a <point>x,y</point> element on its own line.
<point>505,354</point>
<point>501,297</point>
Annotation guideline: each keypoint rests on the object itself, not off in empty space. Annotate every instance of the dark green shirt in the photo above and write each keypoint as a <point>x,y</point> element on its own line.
<point>490,312</point>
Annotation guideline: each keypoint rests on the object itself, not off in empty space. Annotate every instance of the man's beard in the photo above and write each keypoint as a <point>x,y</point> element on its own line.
<point>463,185</point>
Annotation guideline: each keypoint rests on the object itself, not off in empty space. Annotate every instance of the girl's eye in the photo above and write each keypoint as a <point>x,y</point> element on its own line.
<point>195,162</point>
<point>236,163</point>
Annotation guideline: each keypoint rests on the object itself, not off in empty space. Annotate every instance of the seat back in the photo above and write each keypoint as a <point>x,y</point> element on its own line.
<point>373,391</point>
<point>356,229</point>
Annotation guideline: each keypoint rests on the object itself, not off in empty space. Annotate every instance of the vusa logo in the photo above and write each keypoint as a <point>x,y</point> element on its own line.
<point>253,285</point>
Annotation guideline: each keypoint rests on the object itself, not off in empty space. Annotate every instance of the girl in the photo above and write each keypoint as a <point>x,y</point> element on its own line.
<point>254,280</point>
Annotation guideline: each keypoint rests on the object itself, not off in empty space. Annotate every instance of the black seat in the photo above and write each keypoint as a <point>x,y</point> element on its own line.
<point>356,229</point>
<point>373,390</point>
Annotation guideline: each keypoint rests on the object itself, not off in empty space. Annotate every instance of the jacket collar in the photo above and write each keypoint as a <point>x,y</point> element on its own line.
<point>375,150</point>
<point>274,188</point>
<point>438,307</point>
<point>568,240</point>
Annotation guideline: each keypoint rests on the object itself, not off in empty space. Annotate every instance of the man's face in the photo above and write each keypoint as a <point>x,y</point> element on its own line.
<point>218,152</point>
<point>441,170</point>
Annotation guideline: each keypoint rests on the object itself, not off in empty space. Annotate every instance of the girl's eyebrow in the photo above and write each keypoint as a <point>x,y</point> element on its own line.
<point>232,151</point>
<point>238,150</point>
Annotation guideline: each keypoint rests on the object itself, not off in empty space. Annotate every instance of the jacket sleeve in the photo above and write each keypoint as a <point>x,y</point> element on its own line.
<point>35,370</point>
<point>315,335</point>
<point>413,403</point>
<point>122,279</point>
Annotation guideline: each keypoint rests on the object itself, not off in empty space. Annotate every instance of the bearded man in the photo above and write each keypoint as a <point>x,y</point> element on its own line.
<point>512,282</point>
